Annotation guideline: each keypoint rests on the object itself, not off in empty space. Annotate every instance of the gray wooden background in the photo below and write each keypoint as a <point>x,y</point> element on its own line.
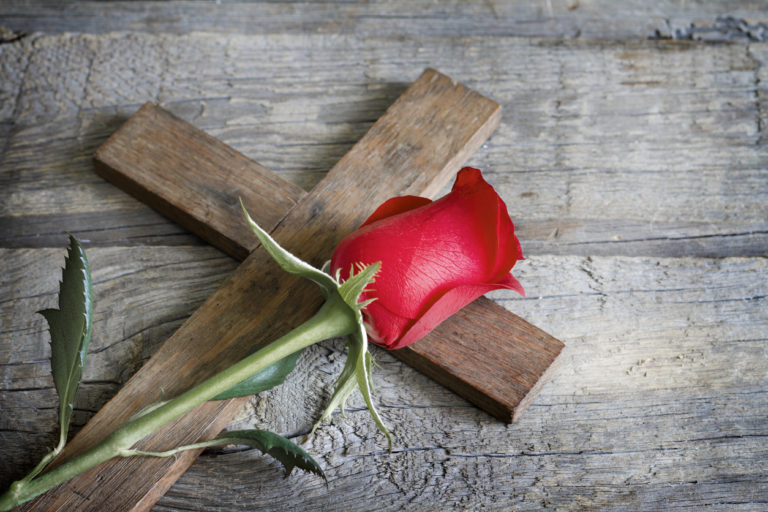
<point>631,154</point>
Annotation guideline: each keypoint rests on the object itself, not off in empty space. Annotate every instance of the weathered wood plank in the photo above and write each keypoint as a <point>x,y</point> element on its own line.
<point>603,19</point>
<point>259,302</point>
<point>493,358</point>
<point>194,179</point>
<point>660,404</point>
<point>137,226</point>
<point>133,317</point>
<point>656,150</point>
<point>197,180</point>
<point>658,409</point>
<point>664,143</point>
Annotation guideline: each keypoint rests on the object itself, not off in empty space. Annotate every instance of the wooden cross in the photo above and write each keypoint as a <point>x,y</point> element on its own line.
<point>484,353</point>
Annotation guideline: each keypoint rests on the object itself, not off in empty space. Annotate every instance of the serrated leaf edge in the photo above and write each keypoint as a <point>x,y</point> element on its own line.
<point>67,385</point>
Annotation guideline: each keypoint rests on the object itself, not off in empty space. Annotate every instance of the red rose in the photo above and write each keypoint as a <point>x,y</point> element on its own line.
<point>436,257</point>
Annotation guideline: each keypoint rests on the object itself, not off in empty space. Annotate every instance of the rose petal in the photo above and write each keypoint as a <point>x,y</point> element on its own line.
<point>508,250</point>
<point>477,203</point>
<point>427,251</point>
<point>415,271</point>
<point>509,282</point>
<point>436,257</point>
<point>467,179</point>
<point>396,205</point>
<point>445,306</point>
<point>383,326</point>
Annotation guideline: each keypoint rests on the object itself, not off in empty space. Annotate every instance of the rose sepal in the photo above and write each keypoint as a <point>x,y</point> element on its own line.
<point>288,261</point>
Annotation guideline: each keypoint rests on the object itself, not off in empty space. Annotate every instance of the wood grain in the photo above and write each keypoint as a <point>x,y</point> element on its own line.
<point>570,140</point>
<point>659,404</point>
<point>259,301</point>
<point>591,19</point>
<point>493,358</point>
<point>130,325</point>
<point>194,179</point>
<point>650,154</point>
<point>662,407</point>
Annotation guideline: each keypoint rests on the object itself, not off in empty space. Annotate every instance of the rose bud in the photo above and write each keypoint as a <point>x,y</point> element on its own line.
<point>436,257</point>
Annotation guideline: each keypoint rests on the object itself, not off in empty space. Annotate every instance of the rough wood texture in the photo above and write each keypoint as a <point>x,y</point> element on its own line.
<point>635,172</point>
<point>491,357</point>
<point>194,179</point>
<point>663,136</point>
<point>152,155</point>
<point>592,19</point>
<point>659,404</point>
<point>259,302</point>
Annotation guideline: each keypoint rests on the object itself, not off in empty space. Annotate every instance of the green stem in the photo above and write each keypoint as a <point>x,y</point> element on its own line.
<point>174,451</point>
<point>49,457</point>
<point>334,319</point>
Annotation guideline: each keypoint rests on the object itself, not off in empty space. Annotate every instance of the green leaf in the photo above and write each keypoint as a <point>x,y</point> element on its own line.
<point>288,261</point>
<point>356,374</point>
<point>289,454</point>
<point>269,377</point>
<point>345,385</point>
<point>70,328</point>
<point>364,379</point>
<point>285,451</point>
